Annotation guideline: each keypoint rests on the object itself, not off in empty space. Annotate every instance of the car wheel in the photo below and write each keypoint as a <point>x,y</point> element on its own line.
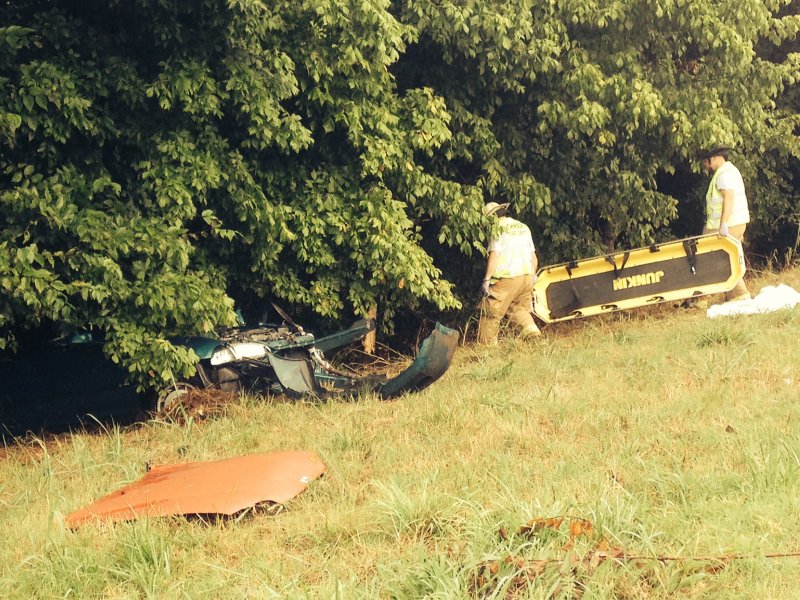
<point>228,380</point>
<point>171,397</point>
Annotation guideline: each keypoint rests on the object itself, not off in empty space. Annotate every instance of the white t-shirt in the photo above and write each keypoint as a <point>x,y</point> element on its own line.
<point>515,247</point>
<point>731,179</point>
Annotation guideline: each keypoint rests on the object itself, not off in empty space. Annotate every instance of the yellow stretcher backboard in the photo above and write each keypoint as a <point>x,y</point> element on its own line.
<point>675,270</point>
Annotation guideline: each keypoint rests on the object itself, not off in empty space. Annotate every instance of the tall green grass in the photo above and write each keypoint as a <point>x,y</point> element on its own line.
<point>674,435</point>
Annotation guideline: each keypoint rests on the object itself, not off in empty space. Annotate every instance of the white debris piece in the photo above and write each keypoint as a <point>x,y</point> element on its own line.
<point>769,299</point>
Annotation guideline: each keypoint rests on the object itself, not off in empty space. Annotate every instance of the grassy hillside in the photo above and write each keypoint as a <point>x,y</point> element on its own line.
<point>654,433</point>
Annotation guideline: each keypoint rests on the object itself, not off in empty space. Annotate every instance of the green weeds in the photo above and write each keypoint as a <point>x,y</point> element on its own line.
<point>674,436</point>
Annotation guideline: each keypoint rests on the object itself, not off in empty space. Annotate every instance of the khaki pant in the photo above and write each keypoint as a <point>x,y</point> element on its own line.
<point>513,297</point>
<point>740,289</point>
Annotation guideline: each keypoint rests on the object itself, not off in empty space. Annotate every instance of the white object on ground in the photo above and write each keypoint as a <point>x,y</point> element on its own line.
<point>769,299</point>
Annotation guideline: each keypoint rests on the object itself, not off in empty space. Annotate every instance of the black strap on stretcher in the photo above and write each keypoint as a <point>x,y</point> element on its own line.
<point>576,301</point>
<point>690,247</point>
<point>612,261</point>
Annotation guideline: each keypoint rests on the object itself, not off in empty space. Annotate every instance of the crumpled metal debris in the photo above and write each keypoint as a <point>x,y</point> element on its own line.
<point>223,487</point>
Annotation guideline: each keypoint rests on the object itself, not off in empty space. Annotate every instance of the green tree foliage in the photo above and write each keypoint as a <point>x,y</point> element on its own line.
<point>572,110</point>
<point>161,157</point>
<point>774,161</point>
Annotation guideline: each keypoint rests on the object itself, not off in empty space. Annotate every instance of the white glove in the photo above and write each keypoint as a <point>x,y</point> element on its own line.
<point>485,287</point>
<point>723,229</point>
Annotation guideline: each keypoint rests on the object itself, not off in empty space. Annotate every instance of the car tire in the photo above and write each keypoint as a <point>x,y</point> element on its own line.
<point>228,380</point>
<point>172,397</point>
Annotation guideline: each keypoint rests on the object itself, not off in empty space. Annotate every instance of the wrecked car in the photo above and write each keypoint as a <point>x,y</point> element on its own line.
<point>68,381</point>
<point>285,359</point>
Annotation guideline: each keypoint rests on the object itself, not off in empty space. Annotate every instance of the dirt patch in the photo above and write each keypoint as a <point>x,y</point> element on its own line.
<point>383,362</point>
<point>199,405</point>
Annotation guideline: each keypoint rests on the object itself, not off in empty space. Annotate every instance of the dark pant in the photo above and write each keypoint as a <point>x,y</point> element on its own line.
<point>740,289</point>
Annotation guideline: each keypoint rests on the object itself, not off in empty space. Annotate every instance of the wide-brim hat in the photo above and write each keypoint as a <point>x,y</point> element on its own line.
<point>492,207</point>
<point>715,151</point>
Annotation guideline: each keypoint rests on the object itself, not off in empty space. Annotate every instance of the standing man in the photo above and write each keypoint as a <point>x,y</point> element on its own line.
<point>510,273</point>
<point>726,205</point>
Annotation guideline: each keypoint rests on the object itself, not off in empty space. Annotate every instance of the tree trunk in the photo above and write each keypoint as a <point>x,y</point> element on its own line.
<point>369,339</point>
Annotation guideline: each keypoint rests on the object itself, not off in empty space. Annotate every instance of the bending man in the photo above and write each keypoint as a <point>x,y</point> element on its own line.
<point>510,272</point>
